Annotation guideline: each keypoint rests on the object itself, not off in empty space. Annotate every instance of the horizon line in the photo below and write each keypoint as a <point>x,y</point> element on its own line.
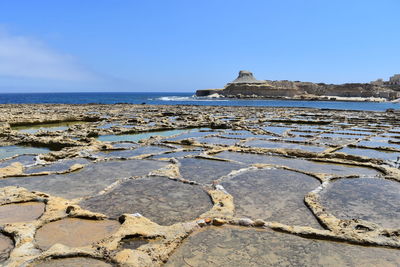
<point>94,92</point>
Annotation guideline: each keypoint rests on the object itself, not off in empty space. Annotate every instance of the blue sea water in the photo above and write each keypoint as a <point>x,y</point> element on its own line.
<point>180,99</point>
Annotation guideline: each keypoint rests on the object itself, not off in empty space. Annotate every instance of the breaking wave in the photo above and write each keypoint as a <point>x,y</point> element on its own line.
<point>187,98</point>
<point>176,98</point>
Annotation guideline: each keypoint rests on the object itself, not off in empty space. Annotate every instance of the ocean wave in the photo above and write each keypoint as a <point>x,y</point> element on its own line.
<point>175,98</point>
<point>187,98</point>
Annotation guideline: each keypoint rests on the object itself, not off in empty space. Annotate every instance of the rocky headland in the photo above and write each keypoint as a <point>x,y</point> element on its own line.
<point>247,86</point>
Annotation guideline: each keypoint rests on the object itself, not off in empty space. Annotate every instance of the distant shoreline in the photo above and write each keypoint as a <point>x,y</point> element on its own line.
<point>173,98</point>
<point>305,98</point>
<point>247,86</point>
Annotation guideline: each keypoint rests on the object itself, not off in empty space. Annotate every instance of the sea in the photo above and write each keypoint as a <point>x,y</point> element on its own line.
<point>164,98</point>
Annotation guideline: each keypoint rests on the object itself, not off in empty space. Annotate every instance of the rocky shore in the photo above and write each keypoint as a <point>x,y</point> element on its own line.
<point>142,185</point>
<point>247,86</point>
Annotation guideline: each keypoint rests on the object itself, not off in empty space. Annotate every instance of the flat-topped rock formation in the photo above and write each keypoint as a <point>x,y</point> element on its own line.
<point>247,86</point>
<point>245,77</point>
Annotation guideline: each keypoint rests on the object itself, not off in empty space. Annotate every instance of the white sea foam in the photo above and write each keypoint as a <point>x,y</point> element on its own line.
<point>176,98</point>
<point>187,98</point>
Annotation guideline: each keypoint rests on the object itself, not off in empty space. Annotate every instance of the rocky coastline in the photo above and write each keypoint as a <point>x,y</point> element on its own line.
<point>143,185</point>
<point>246,86</point>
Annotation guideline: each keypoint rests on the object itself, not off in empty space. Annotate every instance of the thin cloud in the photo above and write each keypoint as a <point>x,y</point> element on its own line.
<point>23,57</point>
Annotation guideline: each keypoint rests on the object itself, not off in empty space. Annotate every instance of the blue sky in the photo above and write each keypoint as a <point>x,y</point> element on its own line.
<point>117,45</point>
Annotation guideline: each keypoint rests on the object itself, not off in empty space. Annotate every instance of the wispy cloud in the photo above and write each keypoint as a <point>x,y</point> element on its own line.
<point>24,57</point>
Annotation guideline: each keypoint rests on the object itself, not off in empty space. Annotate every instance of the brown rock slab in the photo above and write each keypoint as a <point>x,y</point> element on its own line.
<point>21,212</point>
<point>6,245</point>
<point>73,262</point>
<point>74,232</point>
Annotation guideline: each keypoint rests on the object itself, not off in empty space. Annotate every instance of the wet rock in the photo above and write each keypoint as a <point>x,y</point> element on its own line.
<point>74,232</point>
<point>179,154</point>
<point>217,141</point>
<point>259,223</point>
<point>205,171</point>
<point>74,261</point>
<point>201,222</point>
<point>370,199</point>
<point>59,166</point>
<point>135,137</point>
<point>21,212</point>
<point>188,142</point>
<point>232,246</point>
<point>308,140</point>
<point>207,220</point>
<point>218,222</point>
<point>25,160</point>
<point>273,195</point>
<point>299,164</point>
<point>246,222</point>
<point>11,151</point>
<point>270,144</point>
<point>144,150</point>
<point>90,180</point>
<point>133,242</point>
<point>160,199</point>
<point>6,245</point>
<point>371,153</point>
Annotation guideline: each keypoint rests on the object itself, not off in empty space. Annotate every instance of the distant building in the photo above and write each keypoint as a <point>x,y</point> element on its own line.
<point>394,80</point>
<point>378,82</point>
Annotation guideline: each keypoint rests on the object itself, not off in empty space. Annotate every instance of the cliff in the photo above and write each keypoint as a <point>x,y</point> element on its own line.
<point>246,85</point>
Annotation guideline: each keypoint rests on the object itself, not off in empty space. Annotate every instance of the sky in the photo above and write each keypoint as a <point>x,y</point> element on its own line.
<point>185,45</point>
